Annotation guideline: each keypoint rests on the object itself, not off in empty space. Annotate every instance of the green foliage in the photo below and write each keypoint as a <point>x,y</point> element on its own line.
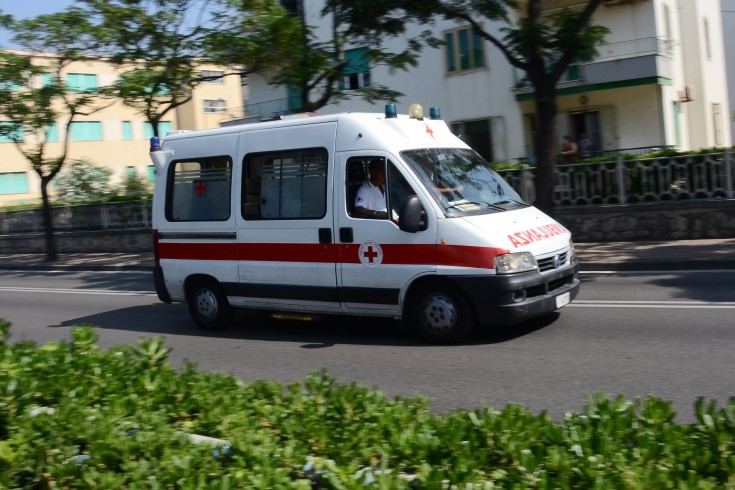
<point>73,415</point>
<point>82,181</point>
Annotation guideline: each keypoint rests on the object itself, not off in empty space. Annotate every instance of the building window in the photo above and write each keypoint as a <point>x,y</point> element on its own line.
<point>285,185</point>
<point>163,128</point>
<point>13,183</point>
<point>151,173</point>
<point>477,134</point>
<point>215,105</point>
<point>9,86</point>
<point>86,131</point>
<point>356,72</point>
<point>464,50</point>
<point>46,79</point>
<point>209,76</point>
<point>127,130</point>
<point>82,82</point>
<point>10,133</point>
<point>199,190</point>
<point>717,123</point>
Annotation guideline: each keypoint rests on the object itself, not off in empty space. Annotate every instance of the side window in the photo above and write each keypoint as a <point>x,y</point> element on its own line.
<point>199,189</point>
<point>371,192</point>
<point>285,184</point>
<point>399,190</point>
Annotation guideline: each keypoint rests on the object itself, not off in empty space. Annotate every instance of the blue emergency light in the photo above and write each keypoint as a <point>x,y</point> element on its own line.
<point>155,143</point>
<point>435,113</point>
<point>390,111</point>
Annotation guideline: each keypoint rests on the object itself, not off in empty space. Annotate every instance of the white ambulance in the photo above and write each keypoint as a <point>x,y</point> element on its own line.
<point>272,216</point>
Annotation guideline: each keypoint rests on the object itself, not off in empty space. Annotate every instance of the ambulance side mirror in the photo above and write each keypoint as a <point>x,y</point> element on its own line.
<point>413,216</point>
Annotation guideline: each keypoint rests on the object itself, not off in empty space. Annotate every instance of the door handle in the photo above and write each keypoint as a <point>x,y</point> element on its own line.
<point>345,235</point>
<point>325,235</point>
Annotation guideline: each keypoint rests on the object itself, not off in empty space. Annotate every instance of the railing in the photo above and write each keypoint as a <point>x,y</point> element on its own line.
<point>269,110</point>
<point>618,181</point>
<point>634,47</point>
<point>605,52</point>
<point>105,216</point>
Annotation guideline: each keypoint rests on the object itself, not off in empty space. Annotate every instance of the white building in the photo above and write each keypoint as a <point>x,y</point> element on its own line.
<point>659,81</point>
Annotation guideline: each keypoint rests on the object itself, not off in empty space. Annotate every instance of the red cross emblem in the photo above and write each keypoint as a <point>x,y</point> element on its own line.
<point>370,254</point>
<point>200,188</point>
<point>429,131</point>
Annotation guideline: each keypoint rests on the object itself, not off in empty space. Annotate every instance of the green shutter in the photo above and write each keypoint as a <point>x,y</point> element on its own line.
<point>14,183</point>
<point>451,59</point>
<point>86,131</point>
<point>127,130</point>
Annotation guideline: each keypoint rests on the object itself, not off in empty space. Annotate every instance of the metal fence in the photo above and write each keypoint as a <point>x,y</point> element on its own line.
<point>621,181</point>
<point>103,216</point>
<point>618,181</point>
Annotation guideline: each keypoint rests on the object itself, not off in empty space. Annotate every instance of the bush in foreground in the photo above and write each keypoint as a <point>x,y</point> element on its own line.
<point>76,416</point>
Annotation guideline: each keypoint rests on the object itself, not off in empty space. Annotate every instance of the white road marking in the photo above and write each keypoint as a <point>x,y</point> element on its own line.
<point>77,291</point>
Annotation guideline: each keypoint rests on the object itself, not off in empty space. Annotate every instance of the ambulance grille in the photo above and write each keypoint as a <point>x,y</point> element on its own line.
<point>554,262</point>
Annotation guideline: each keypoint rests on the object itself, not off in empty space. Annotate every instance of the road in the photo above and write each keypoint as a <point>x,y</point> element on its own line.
<point>666,334</point>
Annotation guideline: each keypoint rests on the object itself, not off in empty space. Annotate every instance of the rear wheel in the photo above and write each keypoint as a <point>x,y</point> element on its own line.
<point>208,305</point>
<point>440,313</point>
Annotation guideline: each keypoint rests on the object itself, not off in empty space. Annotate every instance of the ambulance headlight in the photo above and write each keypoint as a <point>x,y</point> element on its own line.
<point>572,252</point>
<point>515,262</point>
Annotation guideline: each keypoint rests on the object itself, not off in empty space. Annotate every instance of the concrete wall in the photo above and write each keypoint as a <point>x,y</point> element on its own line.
<point>686,220</point>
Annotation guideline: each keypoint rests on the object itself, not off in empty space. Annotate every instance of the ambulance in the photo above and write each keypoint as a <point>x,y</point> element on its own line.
<point>268,216</point>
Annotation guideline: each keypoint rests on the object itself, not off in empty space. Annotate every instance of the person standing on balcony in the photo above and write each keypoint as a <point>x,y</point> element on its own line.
<point>569,150</point>
<point>585,145</point>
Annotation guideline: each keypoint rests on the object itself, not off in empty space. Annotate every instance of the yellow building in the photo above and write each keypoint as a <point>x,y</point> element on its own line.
<point>116,137</point>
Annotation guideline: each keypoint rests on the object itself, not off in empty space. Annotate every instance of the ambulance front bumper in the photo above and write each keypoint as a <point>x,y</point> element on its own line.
<point>510,299</point>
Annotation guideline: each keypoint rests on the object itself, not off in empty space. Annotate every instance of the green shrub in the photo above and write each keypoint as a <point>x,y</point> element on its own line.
<point>82,181</point>
<point>73,415</point>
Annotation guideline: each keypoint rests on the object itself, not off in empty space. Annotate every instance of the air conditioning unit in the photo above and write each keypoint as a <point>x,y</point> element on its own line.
<point>687,95</point>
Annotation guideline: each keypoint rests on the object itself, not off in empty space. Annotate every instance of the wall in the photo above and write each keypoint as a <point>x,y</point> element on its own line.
<point>686,220</point>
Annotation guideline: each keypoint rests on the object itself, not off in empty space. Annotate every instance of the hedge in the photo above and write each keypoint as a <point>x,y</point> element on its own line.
<point>73,415</point>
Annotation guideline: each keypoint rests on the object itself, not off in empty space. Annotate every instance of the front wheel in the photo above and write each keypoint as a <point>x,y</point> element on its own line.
<point>208,305</point>
<point>440,313</point>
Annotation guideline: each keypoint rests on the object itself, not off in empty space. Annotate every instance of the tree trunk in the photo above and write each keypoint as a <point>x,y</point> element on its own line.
<point>545,145</point>
<point>48,221</point>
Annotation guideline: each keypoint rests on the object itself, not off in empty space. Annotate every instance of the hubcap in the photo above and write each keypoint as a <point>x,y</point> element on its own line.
<point>439,314</point>
<point>206,303</point>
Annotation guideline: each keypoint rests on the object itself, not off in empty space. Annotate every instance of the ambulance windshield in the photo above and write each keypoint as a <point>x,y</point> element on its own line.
<point>461,181</point>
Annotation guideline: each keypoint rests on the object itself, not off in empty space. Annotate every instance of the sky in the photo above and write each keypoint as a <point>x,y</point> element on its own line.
<point>28,8</point>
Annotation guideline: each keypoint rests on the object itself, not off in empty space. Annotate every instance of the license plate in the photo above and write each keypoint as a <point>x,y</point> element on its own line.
<point>562,300</point>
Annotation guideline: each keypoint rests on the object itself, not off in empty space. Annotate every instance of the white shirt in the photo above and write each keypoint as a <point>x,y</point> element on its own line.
<point>370,197</point>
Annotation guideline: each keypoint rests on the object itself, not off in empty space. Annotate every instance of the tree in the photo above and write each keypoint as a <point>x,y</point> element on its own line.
<point>540,43</point>
<point>82,181</point>
<point>158,45</point>
<point>37,103</point>
<point>277,42</point>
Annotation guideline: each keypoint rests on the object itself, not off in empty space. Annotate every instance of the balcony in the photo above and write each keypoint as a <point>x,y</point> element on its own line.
<point>634,59</point>
<point>269,110</point>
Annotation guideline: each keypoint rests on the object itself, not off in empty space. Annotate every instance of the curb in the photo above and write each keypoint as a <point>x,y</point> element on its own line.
<point>640,265</point>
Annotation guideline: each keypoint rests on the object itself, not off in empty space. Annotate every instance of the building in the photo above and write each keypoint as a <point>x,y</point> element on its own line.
<point>658,81</point>
<point>117,136</point>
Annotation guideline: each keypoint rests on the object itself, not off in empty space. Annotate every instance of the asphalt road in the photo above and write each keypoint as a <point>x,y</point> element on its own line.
<point>670,334</point>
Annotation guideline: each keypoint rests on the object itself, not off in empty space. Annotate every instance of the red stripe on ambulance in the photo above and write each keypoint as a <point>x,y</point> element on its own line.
<point>393,254</point>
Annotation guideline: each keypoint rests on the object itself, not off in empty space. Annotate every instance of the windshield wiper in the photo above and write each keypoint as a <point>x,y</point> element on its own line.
<point>513,201</point>
<point>465,202</point>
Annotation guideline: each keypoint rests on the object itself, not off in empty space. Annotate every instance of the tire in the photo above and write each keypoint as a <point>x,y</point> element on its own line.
<point>440,313</point>
<point>208,305</point>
